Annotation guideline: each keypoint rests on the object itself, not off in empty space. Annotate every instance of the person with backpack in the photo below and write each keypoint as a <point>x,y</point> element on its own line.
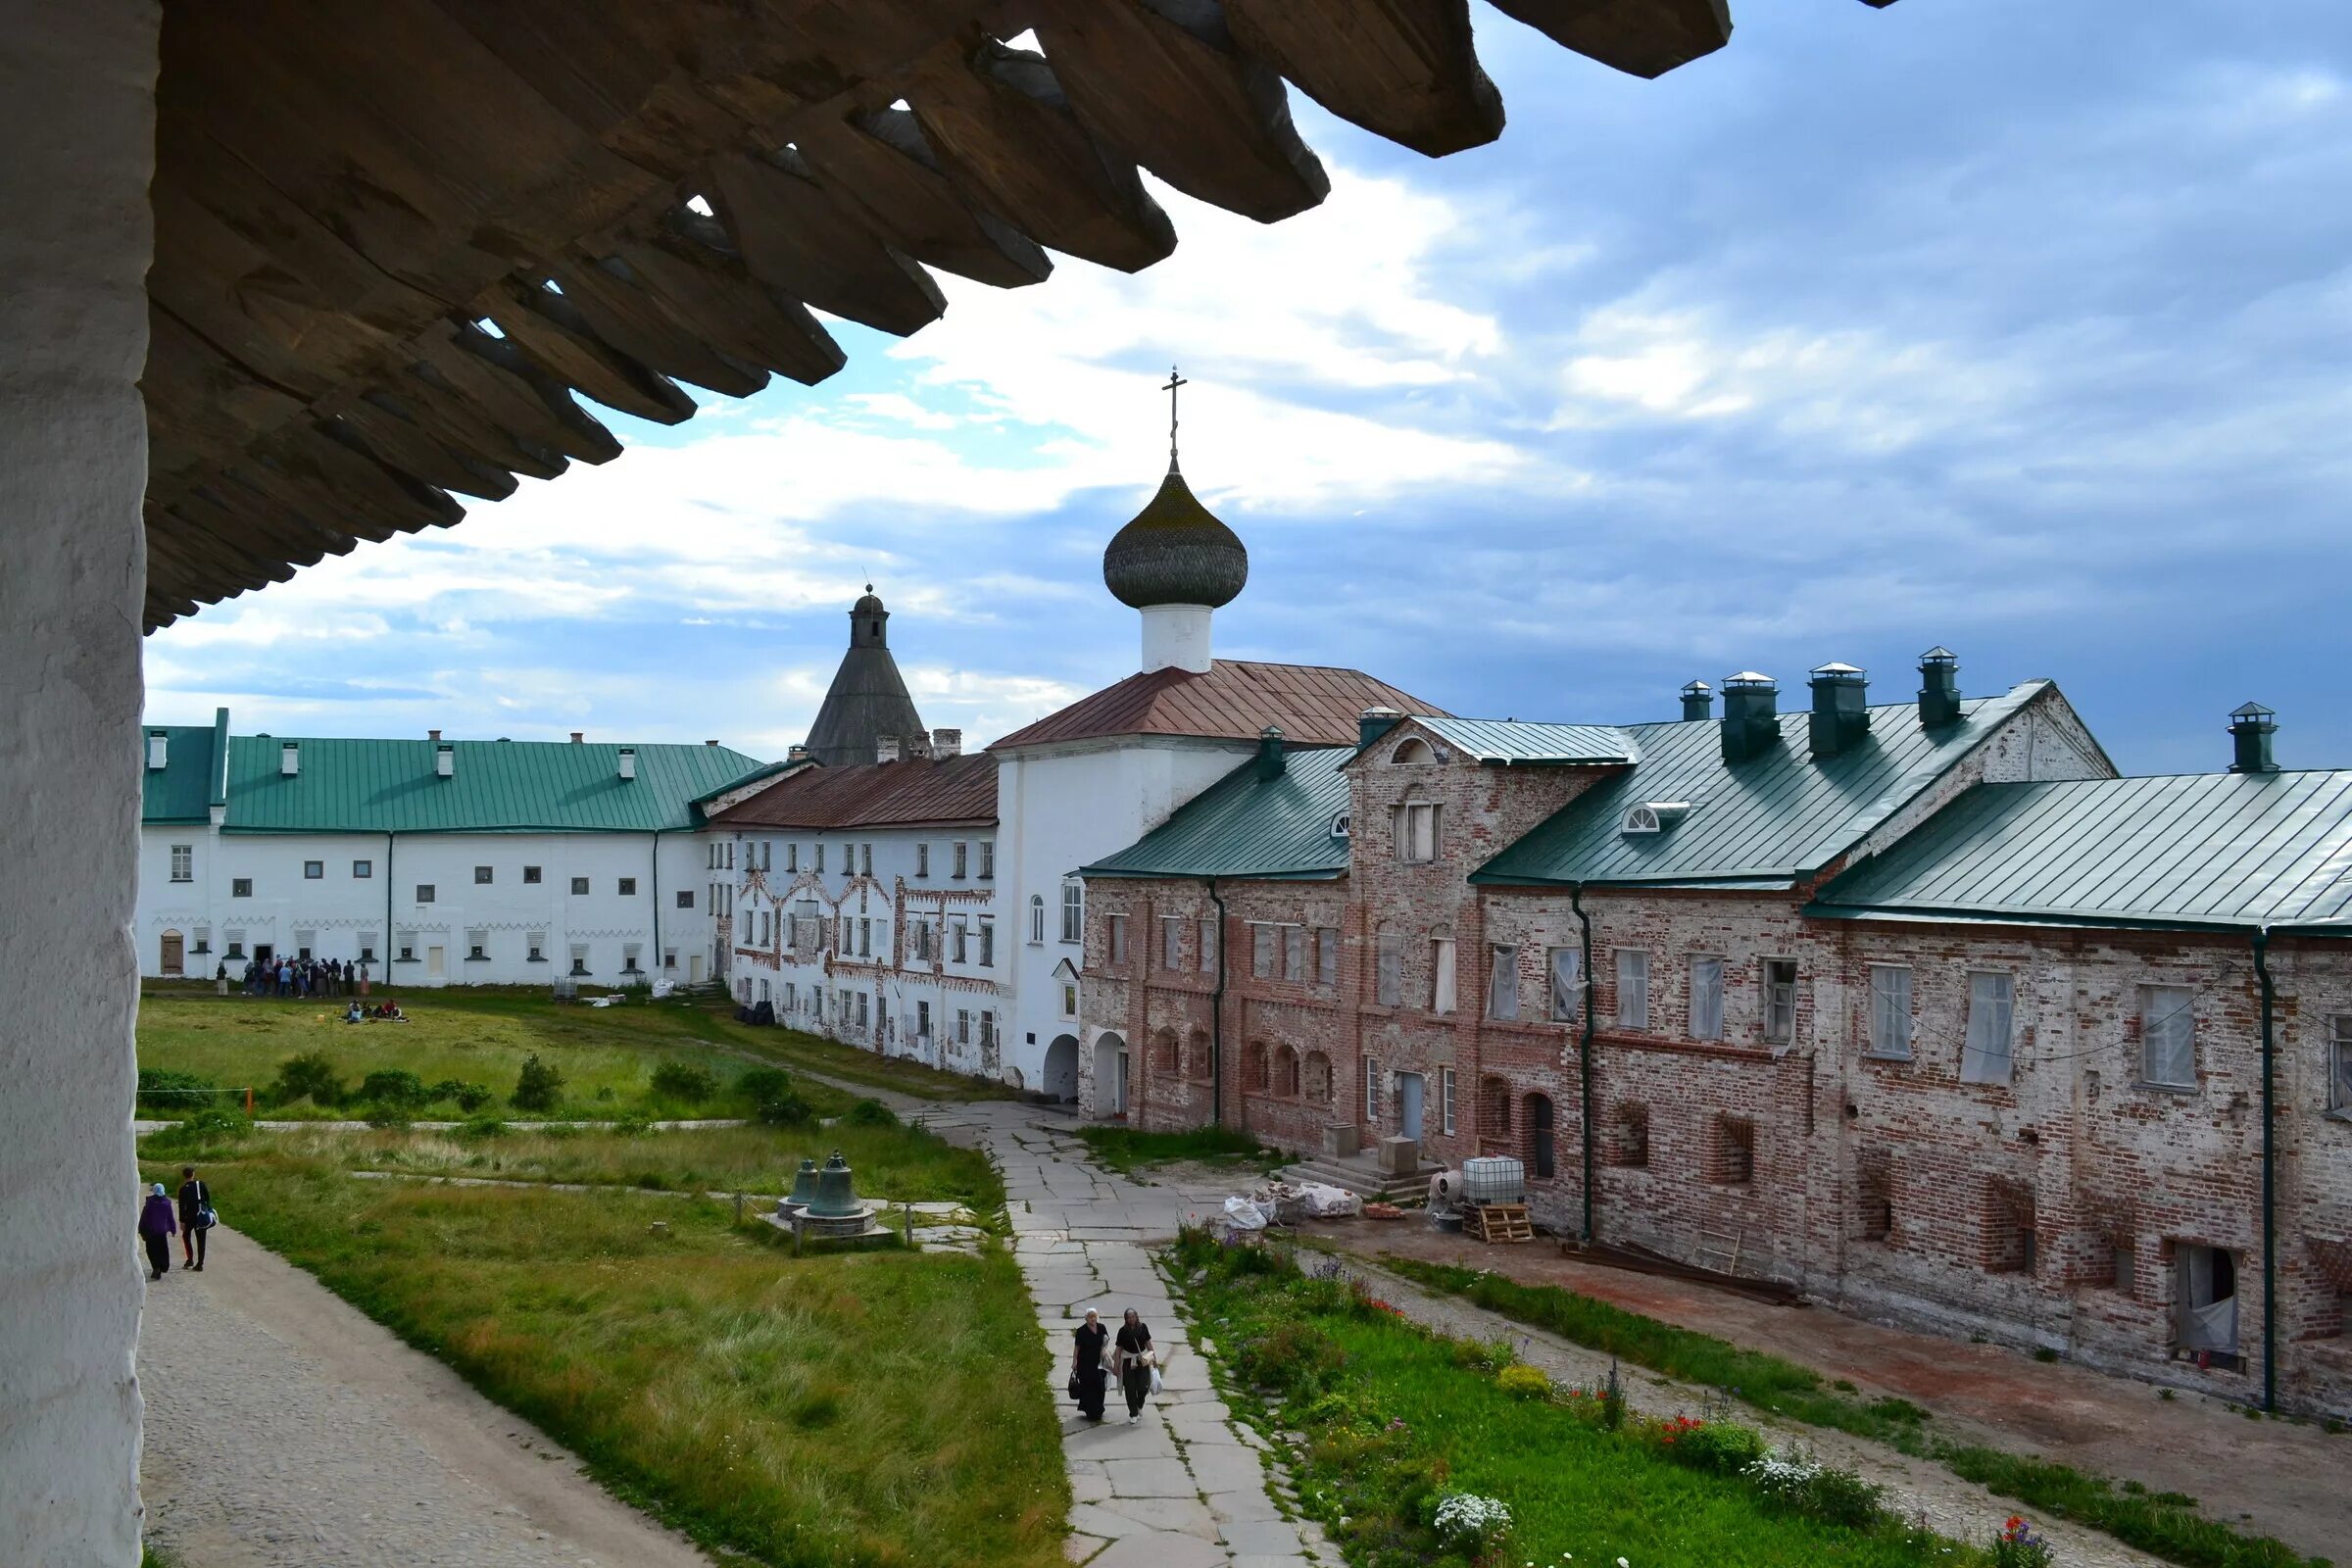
<point>154,1230</point>
<point>196,1216</point>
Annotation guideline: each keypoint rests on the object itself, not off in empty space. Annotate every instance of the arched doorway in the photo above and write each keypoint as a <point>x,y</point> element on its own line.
<point>174,954</point>
<point>1060,1080</point>
<point>1541,1161</point>
<point>1111,1076</point>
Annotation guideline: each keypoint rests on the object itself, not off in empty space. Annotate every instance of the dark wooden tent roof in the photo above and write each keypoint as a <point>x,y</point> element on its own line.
<point>395,239</point>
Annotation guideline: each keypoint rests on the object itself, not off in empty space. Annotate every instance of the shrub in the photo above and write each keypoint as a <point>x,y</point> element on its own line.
<point>205,1130</point>
<point>163,1089</point>
<point>786,1108</point>
<point>871,1113</point>
<point>764,1084</point>
<point>394,1089</point>
<point>308,1075</point>
<point>1523,1382</point>
<point>1483,1355</point>
<point>1470,1523</point>
<point>537,1087</point>
<point>1804,1486</point>
<point>1718,1447</point>
<point>634,1125</point>
<point>686,1082</point>
<point>471,1098</point>
<point>1295,1357</point>
<point>482,1127</point>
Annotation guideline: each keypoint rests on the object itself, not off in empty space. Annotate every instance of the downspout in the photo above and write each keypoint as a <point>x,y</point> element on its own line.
<point>1576,901</point>
<point>2270,1176</point>
<point>391,945</point>
<point>1216,1018</point>
<point>655,955</point>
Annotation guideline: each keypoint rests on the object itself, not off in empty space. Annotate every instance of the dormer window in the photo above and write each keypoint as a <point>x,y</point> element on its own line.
<point>1411,751</point>
<point>1655,816</point>
<point>1340,825</point>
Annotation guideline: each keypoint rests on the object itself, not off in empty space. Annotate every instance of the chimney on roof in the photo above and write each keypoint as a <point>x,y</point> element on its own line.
<point>289,759</point>
<point>1752,723</point>
<point>885,748</point>
<point>2251,726</point>
<point>946,742</point>
<point>445,762</point>
<point>1939,688</point>
<point>1375,722</point>
<point>709,743</point>
<point>433,734</point>
<point>1270,763</point>
<point>628,762</point>
<point>157,744</point>
<point>1698,702</point>
<point>1841,710</point>
<point>795,754</point>
<point>578,735</point>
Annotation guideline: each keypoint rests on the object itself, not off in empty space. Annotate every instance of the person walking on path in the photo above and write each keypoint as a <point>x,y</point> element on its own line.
<point>195,1217</point>
<point>154,1229</point>
<point>1134,1361</point>
<point>1087,1379</point>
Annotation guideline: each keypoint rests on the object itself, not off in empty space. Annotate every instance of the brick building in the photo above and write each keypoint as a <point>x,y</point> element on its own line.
<point>1916,1007</point>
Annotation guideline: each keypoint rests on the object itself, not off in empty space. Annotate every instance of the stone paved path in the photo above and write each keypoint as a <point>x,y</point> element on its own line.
<point>285,1430</point>
<point>1189,1487</point>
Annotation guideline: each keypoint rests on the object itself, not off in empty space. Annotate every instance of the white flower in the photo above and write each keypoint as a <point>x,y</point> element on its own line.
<point>1621,1563</point>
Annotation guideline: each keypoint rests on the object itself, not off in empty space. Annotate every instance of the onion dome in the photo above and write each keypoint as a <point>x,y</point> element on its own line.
<point>1175,553</point>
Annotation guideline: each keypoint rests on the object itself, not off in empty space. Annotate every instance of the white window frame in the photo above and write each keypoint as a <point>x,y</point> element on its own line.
<point>183,862</point>
<point>1633,990</point>
<point>1705,1005</point>
<point>1893,1028</point>
<point>478,949</point>
<point>1445,1101</point>
<point>1443,997</point>
<point>988,942</point>
<point>1417,832</point>
<point>988,863</point>
<point>2167,1036</point>
<point>1777,1003</point>
<point>960,859</point>
<point>1073,910</point>
<point>1998,1016</point>
<point>1037,919</point>
<point>1371,1091</point>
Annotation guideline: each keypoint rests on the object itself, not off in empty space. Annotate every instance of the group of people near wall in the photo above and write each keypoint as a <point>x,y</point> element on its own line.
<point>191,1219</point>
<point>299,977</point>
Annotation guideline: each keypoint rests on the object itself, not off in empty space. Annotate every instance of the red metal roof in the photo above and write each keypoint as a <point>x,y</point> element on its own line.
<point>960,789</point>
<point>1315,706</point>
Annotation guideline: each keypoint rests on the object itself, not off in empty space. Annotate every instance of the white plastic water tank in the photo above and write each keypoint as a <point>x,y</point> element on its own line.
<point>1493,1179</point>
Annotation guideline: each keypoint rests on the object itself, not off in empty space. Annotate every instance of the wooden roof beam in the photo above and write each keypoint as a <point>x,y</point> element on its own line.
<point>1164,82</point>
<point>878,168</point>
<point>312,462</point>
<point>688,269</point>
<point>396,441</point>
<point>1400,68</point>
<point>551,330</point>
<point>1641,37</point>
<point>425,397</point>
<point>518,393</point>
<point>794,238</point>
<point>1005,132</point>
<point>625,316</point>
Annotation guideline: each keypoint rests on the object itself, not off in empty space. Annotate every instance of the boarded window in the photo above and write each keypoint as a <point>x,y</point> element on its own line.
<point>1502,984</point>
<point>2010,1243</point>
<point>1440,976</point>
<point>1889,1010</point>
<point>1632,989</point>
<point>1318,1080</point>
<point>1417,833</point>
<point>1389,978</point>
<point>1286,1074</point>
<point>1706,998</point>
<point>1733,1160</point>
<point>1628,1143</point>
<point>1117,941</point>
<point>1780,1000</point>
<point>2339,1065</point>
<point>1166,1054</point>
<point>1255,1072</point>
<point>1171,943</point>
<point>2167,1051</point>
<point>1294,952</point>
<point>1208,946</point>
<point>1991,1007</point>
<point>1873,1195</point>
<point>1566,966</point>
<point>1262,951</point>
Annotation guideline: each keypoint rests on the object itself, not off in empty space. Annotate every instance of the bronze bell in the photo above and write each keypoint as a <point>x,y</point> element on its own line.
<point>834,1199</point>
<point>804,1184</point>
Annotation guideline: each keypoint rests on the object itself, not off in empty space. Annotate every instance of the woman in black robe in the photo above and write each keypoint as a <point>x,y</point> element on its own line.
<point>1088,1380</point>
<point>1135,1364</point>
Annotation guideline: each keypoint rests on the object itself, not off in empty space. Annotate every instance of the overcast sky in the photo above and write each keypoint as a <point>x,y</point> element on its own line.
<point>2018,326</point>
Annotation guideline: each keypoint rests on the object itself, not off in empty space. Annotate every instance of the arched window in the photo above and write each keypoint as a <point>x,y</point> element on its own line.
<point>1255,1067</point>
<point>1196,1054</point>
<point>1410,751</point>
<point>1167,1056</point>
<point>1286,1074</point>
<point>1317,1084</point>
<point>1073,910</point>
<point>1036,918</point>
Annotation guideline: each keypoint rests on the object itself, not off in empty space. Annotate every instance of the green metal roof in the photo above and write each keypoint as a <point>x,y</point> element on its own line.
<point>375,786</point>
<point>1277,829</point>
<point>1773,817</point>
<point>1513,742</point>
<point>2235,849</point>
<point>185,786</point>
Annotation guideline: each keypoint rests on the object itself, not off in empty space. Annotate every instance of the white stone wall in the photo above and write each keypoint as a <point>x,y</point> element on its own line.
<point>76,149</point>
<point>339,913</point>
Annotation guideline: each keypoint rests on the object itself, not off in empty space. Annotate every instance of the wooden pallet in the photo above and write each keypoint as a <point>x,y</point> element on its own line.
<point>1503,1222</point>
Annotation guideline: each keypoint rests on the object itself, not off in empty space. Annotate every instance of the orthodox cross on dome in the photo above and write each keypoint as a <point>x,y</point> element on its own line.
<point>1174,381</point>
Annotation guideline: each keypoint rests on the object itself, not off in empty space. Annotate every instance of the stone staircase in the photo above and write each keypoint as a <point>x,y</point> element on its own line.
<point>1361,1175</point>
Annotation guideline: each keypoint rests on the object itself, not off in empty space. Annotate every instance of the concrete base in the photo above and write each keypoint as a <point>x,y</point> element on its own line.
<point>1341,1140</point>
<point>76,151</point>
<point>1399,1157</point>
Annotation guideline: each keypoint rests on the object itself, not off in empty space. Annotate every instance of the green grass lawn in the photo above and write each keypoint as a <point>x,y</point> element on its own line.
<point>877,1408</point>
<point>1128,1149</point>
<point>1396,1417</point>
<point>608,1056</point>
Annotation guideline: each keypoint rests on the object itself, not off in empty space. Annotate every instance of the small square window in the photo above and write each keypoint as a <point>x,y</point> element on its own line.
<point>362,871</point>
<point>685,897</point>
<point>482,876</point>
<point>579,887</point>
<point>240,887</point>
<point>530,875</point>
<point>314,870</point>
<point>628,887</point>
<point>425,893</point>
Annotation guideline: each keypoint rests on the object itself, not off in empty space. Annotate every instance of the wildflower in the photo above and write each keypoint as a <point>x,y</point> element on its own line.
<point>1621,1563</point>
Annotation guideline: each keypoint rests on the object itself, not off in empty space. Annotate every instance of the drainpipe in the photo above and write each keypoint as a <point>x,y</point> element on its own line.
<point>1576,901</point>
<point>383,964</point>
<point>2270,1176</point>
<point>1216,1017</point>
<point>655,955</point>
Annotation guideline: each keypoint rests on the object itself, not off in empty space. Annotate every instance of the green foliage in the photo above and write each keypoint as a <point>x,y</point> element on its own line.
<point>686,1082</point>
<point>468,1096</point>
<point>1294,1356</point>
<point>211,1132</point>
<point>763,1083</point>
<point>1522,1382</point>
<point>163,1089</point>
<point>871,1113</point>
<point>2165,1524</point>
<point>482,1127</point>
<point>537,1087</point>
<point>786,1108</point>
<point>1483,1355</point>
<point>308,1076</point>
<point>1128,1149</point>
<point>394,1089</point>
<point>1718,1447</point>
